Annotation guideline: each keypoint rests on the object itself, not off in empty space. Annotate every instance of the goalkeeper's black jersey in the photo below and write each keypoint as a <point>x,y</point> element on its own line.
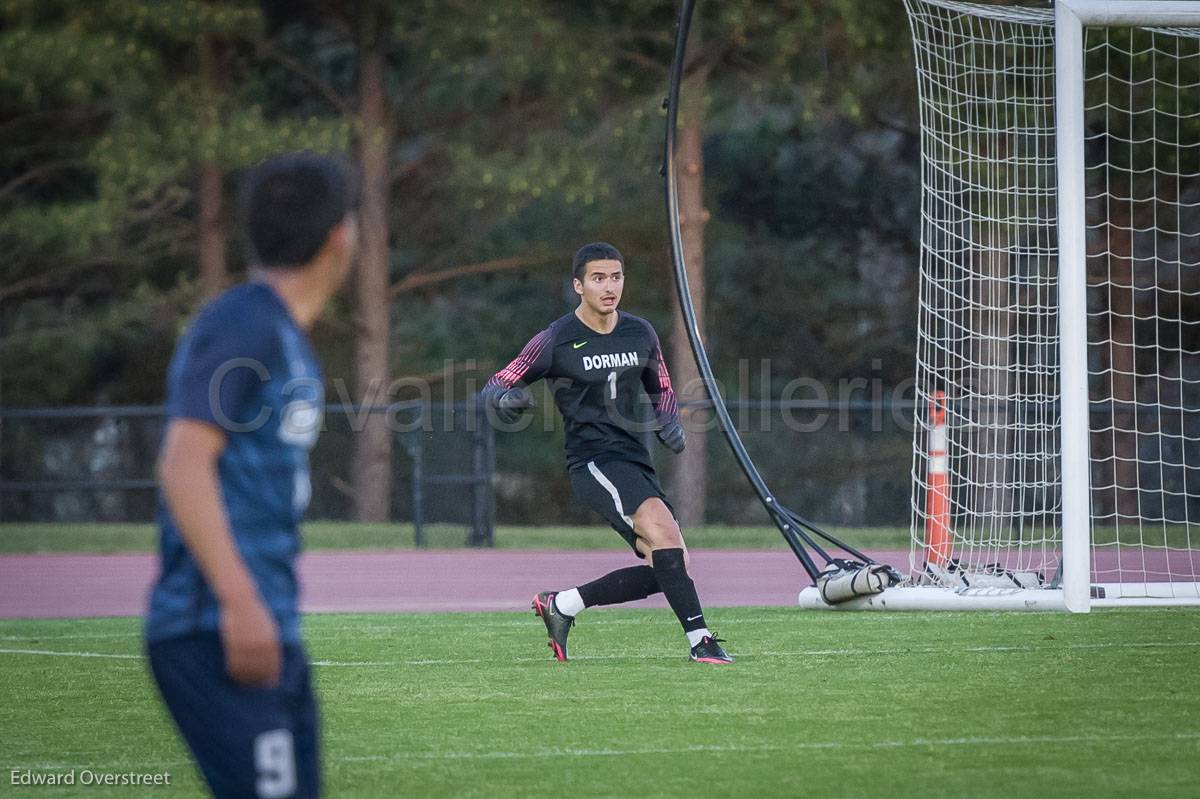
<point>601,383</point>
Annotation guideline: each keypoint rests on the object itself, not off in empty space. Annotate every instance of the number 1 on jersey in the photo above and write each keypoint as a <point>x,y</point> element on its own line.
<point>612,385</point>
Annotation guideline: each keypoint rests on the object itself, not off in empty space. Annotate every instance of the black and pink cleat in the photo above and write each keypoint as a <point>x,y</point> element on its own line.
<point>709,651</point>
<point>557,624</point>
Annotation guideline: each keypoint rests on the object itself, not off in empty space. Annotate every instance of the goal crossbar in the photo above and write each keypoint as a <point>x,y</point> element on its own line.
<point>1126,13</point>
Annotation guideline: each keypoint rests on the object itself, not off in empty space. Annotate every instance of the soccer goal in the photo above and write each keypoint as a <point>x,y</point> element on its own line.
<point>1056,460</point>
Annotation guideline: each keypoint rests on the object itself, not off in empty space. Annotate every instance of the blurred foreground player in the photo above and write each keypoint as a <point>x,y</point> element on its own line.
<point>599,362</point>
<point>245,404</point>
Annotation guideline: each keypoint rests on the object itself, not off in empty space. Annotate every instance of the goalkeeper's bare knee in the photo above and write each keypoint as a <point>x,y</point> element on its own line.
<point>656,528</point>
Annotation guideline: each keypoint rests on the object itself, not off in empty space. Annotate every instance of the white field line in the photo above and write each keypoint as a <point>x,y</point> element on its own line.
<point>405,626</point>
<point>983,741</point>
<point>383,629</point>
<point>69,636</point>
<point>912,743</point>
<point>434,619</point>
<point>101,768</point>
<point>677,656</point>
<point>56,653</point>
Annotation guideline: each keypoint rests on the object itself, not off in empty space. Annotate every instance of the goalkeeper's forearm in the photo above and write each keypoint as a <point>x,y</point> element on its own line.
<point>672,436</point>
<point>509,403</point>
<point>491,393</point>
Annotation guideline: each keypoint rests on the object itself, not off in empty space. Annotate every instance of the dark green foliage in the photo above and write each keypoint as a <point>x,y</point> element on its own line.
<point>521,130</point>
<point>103,124</point>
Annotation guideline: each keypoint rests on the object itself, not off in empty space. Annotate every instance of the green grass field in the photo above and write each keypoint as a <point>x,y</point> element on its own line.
<point>818,704</point>
<point>342,535</point>
<point>41,537</point>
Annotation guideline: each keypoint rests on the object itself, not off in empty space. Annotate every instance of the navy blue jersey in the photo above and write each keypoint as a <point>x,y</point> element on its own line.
<point>601,384</point>
<point>246,368</point>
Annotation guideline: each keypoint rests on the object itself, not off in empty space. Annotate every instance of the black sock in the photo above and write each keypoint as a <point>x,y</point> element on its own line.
<point>623,585</point>
<point>678,587</point>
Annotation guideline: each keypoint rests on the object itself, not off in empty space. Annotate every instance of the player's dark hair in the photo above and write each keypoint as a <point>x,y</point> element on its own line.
<point>596,251</point>
<point>290,202</point>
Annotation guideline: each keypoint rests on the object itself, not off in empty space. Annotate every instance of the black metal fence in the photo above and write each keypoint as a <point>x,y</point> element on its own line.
<point>841,462</point>
<point>95,464</point>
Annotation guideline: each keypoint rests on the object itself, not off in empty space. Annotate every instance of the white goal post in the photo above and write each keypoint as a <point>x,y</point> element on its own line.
<point>1056,458</point>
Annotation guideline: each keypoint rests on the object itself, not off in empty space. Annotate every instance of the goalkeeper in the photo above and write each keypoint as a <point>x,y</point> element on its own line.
<point>599,360</point>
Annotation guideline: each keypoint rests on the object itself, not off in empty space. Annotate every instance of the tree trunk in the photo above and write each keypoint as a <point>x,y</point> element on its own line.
<point>1120,446</point>
<point>372,468</point>
<point>212,230</point>
<point>992,324</point>
<point>209,197</point>
<point>689,480</point>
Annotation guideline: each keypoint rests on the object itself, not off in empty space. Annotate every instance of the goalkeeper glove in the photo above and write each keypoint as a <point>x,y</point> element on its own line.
<point>672,436</point>
<point>512,403</point>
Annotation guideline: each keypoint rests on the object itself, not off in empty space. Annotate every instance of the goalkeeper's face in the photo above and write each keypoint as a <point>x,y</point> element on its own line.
<point>601,286</point>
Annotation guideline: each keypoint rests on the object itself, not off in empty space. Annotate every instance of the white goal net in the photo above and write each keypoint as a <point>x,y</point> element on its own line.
<point>988,468</point>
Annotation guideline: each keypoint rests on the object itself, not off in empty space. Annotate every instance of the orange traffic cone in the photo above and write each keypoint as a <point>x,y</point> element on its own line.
<point>937,498</point>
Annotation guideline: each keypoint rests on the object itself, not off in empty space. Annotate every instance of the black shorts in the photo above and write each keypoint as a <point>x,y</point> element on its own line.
<point>616,490</point>
<point>251,742</point>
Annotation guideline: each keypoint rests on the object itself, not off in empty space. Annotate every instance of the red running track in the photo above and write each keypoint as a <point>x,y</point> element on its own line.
<point>397,581</point>
<point>406,581</point>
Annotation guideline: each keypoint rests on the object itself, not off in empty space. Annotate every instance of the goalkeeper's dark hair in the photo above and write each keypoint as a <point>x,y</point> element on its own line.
<point>290,203</point>
<point>596,251</point>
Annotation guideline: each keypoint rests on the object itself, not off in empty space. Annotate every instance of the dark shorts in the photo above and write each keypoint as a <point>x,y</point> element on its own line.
<point>616,490</point>
<point>248,742</point>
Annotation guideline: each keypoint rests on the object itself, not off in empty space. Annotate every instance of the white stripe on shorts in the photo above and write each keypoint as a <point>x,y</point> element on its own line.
<point>611,489</point>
